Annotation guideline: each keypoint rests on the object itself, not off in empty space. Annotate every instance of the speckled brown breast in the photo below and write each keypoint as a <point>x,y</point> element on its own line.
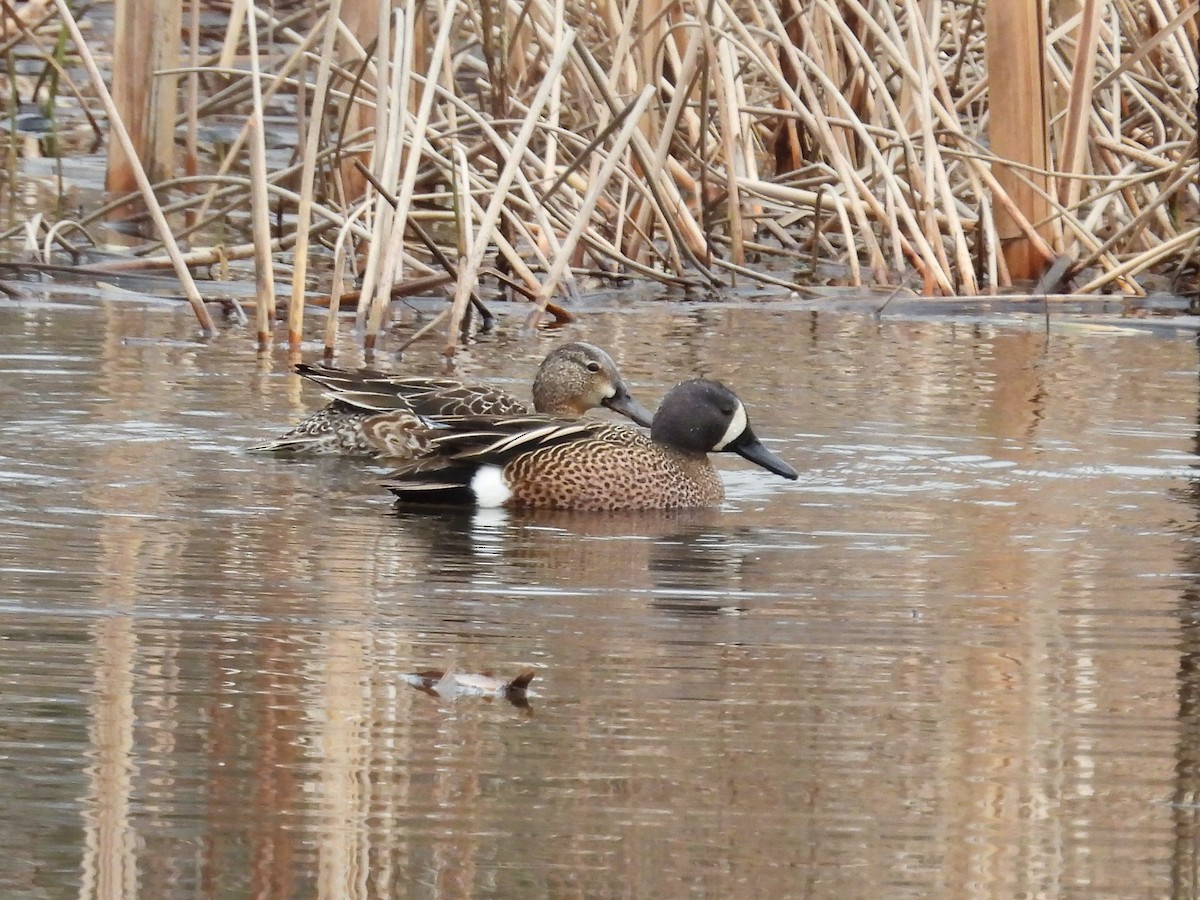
<point>617,468</point>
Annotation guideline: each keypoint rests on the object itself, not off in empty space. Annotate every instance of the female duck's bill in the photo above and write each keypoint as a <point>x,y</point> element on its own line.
<point>589,465</point>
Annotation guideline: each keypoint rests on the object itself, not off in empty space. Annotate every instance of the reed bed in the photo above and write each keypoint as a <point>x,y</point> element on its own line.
<point>519,145</point>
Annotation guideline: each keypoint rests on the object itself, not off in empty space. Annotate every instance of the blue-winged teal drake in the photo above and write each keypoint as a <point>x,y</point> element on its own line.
<point>589,465</point>
<point>365,415</point>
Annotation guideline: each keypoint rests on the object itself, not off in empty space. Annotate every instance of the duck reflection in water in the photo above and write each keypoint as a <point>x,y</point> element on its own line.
<point>451,685</point>
<point>686,561</point>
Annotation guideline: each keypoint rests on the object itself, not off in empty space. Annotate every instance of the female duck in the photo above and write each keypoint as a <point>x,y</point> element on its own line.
<point>573,379</point>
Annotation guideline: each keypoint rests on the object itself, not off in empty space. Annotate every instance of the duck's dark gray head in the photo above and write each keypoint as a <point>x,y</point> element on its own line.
<point>704,416</point>
<point>577,377</point>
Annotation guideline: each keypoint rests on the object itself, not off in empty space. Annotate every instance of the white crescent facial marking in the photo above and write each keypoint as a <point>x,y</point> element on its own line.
<point>736,426</point>
<point>489,488</point>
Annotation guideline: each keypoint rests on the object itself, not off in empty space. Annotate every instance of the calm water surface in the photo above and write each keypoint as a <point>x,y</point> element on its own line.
<point>960,657</point>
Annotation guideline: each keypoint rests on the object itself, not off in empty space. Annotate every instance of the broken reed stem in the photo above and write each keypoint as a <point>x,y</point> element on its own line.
<point>1079,103</point>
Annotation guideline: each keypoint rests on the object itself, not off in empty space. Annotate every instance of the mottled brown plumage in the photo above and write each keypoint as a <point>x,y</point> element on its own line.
<point>535,462</point>
<point>369,411</point>
<point>616,468</point>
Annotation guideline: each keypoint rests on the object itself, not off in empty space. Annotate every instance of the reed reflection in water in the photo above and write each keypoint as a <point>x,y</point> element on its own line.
<point>954,660</point>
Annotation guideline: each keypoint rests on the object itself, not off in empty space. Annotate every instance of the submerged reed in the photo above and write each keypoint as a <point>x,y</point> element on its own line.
<point>792,144</point>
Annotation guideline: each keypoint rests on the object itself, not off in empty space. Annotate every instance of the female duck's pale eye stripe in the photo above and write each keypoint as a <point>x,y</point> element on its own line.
<point>736,426</point>
<point>487,484</point>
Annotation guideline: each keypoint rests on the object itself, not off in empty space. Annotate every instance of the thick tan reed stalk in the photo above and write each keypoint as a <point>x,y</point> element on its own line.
<point>233,34</point>
<point>146,42</point>
<point>1018,124</point>
<point>413,136</point>
<point>264,267</point>
<point>466,247</point>
<point>144,186</point>
<point>1079,106</point>
<point>554,107</point>
<point>385,158</point>
<point>722,65</point>
<point>191,91</point>
<point>312,146</point>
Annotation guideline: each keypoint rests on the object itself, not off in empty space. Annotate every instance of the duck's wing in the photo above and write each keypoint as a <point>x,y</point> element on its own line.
<point>374,391</point>
<point>459,447</point>
<point>438,401</point>
<point>491,440</point>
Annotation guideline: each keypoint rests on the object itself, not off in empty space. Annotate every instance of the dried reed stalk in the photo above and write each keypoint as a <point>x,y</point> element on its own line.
<point>264,269</point>
<point>312,147</point>
<point>851,141</point>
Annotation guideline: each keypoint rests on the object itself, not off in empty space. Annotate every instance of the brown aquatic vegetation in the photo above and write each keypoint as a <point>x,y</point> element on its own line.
<point>786,144</point>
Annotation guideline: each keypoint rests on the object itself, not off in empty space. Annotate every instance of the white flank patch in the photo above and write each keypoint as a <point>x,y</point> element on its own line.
<point>488,486</point>
<point>736,426</point>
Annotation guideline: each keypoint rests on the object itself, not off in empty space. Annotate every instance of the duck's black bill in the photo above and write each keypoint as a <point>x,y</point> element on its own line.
<point>748,446</point>
<point>624,403</point>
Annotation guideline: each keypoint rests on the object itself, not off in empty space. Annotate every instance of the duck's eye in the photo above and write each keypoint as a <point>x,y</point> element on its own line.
<point>593,366</point>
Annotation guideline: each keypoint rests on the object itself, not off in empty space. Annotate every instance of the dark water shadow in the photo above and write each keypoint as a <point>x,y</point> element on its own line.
<point>1185,801</point>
